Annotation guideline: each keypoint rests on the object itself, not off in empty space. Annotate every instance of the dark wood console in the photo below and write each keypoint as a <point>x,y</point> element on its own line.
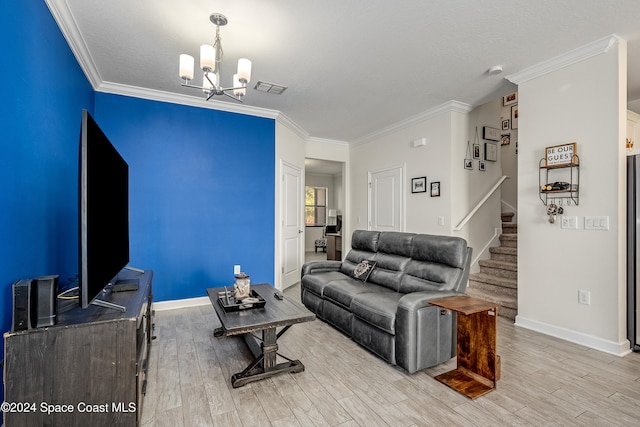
<point>89,369</point>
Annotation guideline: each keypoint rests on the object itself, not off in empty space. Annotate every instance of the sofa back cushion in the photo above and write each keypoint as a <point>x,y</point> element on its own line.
<point>437,263</point>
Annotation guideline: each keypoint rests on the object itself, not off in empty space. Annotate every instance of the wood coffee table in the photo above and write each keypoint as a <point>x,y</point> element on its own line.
<point>277,313</point>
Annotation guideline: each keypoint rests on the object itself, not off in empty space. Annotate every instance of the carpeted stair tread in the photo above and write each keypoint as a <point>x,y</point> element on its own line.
<point>503,250</point>
<point>507,216</point>
<point>494,280</point>
<point>502,265</point>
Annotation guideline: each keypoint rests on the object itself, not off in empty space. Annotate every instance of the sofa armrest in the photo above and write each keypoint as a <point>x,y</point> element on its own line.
<point>416,300</point>
<point>425,334</point>
<point>320,266</point>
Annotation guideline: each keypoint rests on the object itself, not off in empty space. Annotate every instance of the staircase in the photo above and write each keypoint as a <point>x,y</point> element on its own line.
<point>497,280</point>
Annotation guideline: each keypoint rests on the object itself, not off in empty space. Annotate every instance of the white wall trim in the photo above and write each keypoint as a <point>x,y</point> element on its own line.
<point>580,54</point>
<point>447,107</point>
<point>62,15</point>
<point>193,101</point>
<point>611,347</point>
<point>181,303</point>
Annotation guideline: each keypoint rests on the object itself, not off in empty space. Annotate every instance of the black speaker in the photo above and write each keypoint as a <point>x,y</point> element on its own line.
<point>43,301</point>
<point>21,305</point>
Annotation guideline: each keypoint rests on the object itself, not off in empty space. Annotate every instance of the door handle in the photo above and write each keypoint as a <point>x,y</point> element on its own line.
<point>300,231</point>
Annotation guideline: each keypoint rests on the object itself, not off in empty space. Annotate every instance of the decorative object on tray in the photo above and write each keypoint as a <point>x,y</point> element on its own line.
<point>242,286</point>
<point>230,303</point>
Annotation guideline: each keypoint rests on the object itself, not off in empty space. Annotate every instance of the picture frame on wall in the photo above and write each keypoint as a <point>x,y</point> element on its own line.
<point>510,99</point>
<point>435,189</point>
<point>506,139</point>
<point>514,117</point>
<point>419,185</point>
<point>482,166</point>
<point>491,134</point>
<point>476,151</point>
<point>505,124</point>
<point>490,152</point>
<point>468,164</point>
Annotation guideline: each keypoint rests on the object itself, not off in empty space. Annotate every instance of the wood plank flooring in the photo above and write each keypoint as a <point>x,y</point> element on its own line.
<point>545,381</point>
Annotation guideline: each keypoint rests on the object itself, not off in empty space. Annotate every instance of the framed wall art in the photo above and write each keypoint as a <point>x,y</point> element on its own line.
<point>505,124</point>
<point>510,99</point>
<point>419,185</point>
<point>435,189</point>
<point>492,134</point>
<point>514,117</point>
<point>490,152</point>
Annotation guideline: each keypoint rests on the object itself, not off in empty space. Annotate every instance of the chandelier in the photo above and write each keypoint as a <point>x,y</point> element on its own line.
<point>210,61</point>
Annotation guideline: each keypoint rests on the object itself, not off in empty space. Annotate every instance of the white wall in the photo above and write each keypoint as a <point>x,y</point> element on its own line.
<point>585,103</point>
<point>395,149</point>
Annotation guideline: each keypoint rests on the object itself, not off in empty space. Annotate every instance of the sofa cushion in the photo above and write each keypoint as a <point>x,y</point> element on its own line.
<point>389,270</point>
<point>377,309</point>
<point>317,282</point>
<point>451,251</point>
<point>342,291</point>
<point>363,269</point>
<point>365,240</point>
<point>395,242</point>
<point>424,276</point>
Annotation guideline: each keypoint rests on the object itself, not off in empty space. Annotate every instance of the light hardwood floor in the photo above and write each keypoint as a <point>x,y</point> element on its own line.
<point>545,381</point>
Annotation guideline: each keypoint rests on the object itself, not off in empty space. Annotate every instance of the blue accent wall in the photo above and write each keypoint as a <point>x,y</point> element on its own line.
<point>41,98</point>
<point>201,181</point>
<point>201,192</point>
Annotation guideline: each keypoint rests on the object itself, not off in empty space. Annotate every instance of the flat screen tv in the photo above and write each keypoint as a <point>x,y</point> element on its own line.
<point>103,216</point>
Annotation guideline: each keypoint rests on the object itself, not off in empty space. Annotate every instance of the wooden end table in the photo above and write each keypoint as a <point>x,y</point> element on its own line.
<point>277,313</point>
<point>478,367</point>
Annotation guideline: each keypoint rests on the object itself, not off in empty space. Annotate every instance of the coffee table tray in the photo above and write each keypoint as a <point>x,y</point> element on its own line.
<point>229,303</point>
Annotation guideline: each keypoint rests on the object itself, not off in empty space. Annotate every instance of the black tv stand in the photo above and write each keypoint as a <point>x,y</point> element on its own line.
<point>95,356</point>
<point>106,304</point>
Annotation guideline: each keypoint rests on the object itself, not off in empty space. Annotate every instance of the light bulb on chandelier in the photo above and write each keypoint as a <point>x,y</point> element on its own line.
<point>210,61</point>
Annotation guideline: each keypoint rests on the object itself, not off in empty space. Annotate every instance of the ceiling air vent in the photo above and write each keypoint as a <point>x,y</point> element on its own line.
<point>270,87</point>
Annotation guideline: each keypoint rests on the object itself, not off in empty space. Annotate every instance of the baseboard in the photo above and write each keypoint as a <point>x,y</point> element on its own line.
<point>611,347</point>
<point>180,303</point>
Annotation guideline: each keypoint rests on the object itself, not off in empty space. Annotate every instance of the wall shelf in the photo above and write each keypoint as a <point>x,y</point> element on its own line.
<point>564,180</point>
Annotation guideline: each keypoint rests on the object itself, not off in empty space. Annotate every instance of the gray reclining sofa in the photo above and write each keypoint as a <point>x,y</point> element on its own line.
<point>379,295</point>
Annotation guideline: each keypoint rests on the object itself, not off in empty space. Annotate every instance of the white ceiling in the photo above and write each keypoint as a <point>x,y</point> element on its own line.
<point>352,67</point>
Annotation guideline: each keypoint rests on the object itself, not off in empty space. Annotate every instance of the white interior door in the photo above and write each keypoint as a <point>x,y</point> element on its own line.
<point>386,200</point>
<point>292,225</point>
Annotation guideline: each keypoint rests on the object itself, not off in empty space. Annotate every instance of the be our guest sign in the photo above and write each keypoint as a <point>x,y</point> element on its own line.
<point>560,155</point>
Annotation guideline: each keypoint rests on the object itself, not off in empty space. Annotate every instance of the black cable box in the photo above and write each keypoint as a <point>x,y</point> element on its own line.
<point>125,285</point>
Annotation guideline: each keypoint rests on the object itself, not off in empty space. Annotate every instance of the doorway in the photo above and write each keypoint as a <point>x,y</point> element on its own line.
<point>328,175</point>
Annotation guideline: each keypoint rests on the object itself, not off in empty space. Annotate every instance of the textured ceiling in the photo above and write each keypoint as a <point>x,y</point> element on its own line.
<point>351,67</point>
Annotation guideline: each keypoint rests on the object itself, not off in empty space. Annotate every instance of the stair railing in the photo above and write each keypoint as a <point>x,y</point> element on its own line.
<point>480,203</point>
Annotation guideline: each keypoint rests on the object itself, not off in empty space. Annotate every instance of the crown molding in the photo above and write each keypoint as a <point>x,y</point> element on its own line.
<point>328,141</point>
<point>67,24</point>
<point>284,120</point>
<point>448,107</point>
<point>572,57</point>
<point>193,101</point>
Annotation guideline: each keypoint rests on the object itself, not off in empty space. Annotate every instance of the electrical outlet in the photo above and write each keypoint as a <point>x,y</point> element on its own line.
<point>584,297</point>
<point>236,269</point>
<point>440,220</point>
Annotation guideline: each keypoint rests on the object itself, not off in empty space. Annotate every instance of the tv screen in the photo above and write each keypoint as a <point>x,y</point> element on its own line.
<point>103,211</point>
